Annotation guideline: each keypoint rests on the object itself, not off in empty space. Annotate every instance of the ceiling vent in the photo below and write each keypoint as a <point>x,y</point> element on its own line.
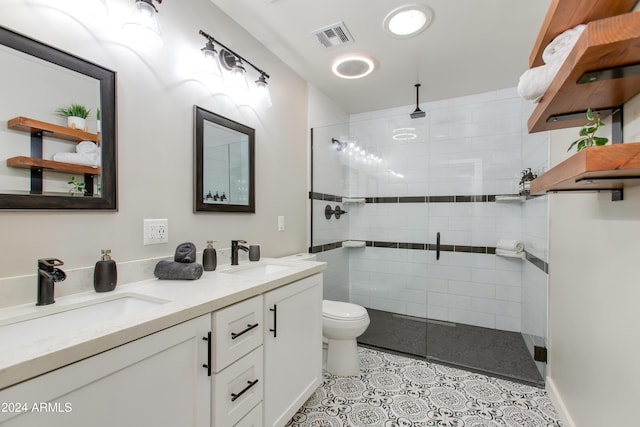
<point>334,35</point>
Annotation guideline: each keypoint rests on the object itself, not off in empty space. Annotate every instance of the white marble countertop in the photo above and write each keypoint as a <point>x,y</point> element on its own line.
<point>185,300</point>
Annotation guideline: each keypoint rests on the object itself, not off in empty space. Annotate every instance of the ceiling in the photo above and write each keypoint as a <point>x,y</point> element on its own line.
<point>471,46</point>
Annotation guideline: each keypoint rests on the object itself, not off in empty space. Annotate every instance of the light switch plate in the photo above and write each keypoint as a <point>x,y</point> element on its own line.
<point>281,223</point>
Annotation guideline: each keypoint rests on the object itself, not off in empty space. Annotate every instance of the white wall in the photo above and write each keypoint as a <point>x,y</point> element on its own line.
<point>155,98</point>
<point>594,286</point>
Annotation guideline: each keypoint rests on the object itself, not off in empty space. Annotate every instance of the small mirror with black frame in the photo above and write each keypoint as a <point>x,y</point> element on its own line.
<point>224,164</point>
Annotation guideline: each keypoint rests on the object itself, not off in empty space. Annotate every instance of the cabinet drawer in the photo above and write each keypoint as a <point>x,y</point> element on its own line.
<point>252,419</point>
<point>236,331</point>
<point>237,389</point>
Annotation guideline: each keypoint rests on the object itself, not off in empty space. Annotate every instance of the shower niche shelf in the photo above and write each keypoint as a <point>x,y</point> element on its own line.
<point>354,244</point>
<point>608,167</point>
<point>602,71</point>
<point>510,198</point>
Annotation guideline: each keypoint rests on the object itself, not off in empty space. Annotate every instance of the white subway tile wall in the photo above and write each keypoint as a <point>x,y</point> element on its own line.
<point>475,145</point>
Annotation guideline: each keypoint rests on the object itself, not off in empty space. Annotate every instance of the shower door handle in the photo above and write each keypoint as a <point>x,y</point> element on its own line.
<point>437,246</point>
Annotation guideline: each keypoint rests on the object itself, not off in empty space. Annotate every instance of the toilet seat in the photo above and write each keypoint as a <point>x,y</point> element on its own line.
<point>343,311</point>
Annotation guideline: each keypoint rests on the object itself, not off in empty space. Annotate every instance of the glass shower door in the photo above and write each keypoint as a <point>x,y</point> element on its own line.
<point>379,251</point>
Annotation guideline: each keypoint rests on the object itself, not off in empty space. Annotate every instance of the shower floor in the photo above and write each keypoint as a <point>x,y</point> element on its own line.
<point>499,353</point>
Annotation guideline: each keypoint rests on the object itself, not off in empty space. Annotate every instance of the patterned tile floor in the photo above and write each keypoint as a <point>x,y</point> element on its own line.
<point>398,391</point>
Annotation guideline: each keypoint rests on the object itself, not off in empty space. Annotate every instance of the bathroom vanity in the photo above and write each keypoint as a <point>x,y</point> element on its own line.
<point>240,347</point>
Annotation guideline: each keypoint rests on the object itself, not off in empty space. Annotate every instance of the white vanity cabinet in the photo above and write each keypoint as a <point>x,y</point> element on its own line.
<point>250,364</point>
<point>292,348</point>
<point>158,380</point>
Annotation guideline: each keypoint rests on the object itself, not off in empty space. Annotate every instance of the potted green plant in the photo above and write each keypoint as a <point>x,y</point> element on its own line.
<point>588,131</point>
<point>77,187</point>
<point>76,115</point>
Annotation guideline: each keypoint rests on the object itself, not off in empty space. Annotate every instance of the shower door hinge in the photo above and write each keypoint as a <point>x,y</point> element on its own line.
<point>540,354</point>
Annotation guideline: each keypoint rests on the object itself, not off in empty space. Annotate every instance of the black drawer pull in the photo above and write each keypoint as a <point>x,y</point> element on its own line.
<point>249,327</point>
<point>275,320</point>
<point>234,396</point>
<point>208,364</point>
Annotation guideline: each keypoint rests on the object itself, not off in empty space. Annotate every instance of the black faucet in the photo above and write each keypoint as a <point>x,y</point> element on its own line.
<point>235,245</point>
<point>48,274</point>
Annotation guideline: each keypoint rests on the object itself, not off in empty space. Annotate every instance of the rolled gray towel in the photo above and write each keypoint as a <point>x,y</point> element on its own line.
<point>170,270</point>
<point>185,252</point>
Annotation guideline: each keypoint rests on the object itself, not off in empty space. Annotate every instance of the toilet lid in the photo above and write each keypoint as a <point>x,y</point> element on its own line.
<point>342,310</point>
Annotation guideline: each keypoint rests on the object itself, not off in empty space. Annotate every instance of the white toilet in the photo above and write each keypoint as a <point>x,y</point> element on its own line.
<point>342,323</point>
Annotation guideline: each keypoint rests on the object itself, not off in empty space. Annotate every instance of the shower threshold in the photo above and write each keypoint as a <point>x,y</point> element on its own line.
<point>498,353</point>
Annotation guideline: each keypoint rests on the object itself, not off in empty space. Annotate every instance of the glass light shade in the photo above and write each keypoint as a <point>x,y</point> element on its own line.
<point>142,26</point>
<point>262,93</point>
<point>210,65</point>
<point>238,77</point>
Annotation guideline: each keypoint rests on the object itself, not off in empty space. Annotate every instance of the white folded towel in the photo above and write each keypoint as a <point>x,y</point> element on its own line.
<point>535,81</point>
<point>509,245</point>
<point>87,154</point>
<point>560,47</point>
<point>510,254</point>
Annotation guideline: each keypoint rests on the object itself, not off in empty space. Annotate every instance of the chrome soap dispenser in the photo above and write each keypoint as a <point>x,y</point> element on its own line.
<point>209,257</point>
<point>105,274</point>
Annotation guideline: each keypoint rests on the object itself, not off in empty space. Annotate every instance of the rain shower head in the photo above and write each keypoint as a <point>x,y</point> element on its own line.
<point>418,113</point>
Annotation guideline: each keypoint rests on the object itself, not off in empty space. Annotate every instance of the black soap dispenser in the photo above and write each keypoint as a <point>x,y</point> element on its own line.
<point>105,274</point>
<point>209,257</point>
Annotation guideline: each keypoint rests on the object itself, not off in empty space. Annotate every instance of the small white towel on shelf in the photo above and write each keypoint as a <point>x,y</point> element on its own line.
<point>509,245</point>
<point>560,47</point>
<point>535,81</point>
<point>510,254</point>
<point>87,154</point>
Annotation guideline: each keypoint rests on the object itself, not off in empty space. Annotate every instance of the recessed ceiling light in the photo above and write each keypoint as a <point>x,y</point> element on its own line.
<point>352,66</point>
<point>408,20</point>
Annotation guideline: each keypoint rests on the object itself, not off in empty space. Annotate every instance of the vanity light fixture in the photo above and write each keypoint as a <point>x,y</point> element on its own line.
<point>142,26</point>
<point>353,66</point>
<point>408,20</point>
<point>233,63</point>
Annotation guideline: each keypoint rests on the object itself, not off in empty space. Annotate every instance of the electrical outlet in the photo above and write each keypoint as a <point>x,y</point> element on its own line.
<point>156,231</point>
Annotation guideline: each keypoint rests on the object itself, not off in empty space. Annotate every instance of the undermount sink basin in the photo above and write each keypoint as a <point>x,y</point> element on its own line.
<point>258,269</point>
<point>55,321</point>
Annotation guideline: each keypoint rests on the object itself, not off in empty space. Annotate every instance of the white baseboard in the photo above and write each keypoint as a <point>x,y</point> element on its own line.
<point>558,403</point>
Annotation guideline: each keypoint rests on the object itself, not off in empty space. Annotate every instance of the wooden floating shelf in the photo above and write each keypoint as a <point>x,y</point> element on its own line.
<point>25,124</point>
<point>608,167</point>
<point>604,44</point>
<point>23,162</point>
<point>563,15</point>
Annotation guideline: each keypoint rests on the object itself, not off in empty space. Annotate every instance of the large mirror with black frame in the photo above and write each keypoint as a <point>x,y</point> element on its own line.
<point>48,161</point>
<point>224,164</point>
